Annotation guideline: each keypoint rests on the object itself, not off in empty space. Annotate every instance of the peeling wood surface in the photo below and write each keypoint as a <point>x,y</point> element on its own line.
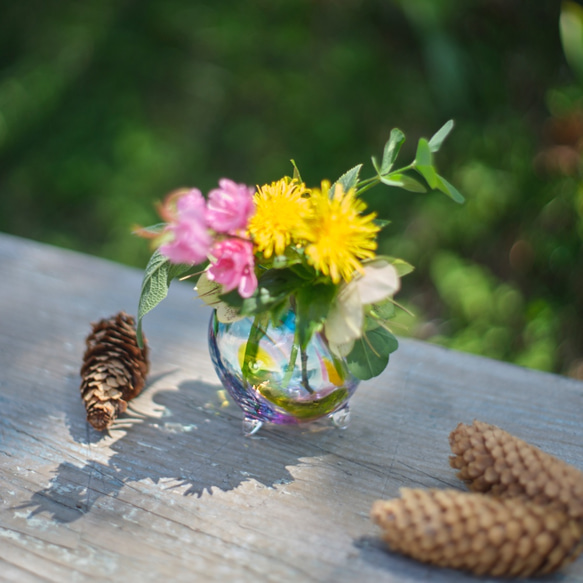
<point>175,491</point>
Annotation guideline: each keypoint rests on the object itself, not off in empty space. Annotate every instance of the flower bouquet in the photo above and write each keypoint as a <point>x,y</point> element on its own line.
<point>302,302</point>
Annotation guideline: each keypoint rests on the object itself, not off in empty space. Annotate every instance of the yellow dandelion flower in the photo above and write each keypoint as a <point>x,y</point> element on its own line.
<point>280,212</point>
<point>338,235</point>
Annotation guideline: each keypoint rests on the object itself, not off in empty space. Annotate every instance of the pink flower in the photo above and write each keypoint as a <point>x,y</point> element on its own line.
<point>230,206</point>
<point>233,266</point>
<point>191,239</point>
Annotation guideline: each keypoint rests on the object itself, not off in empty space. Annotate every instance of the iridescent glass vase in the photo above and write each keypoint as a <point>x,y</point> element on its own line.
<point>273,380</point>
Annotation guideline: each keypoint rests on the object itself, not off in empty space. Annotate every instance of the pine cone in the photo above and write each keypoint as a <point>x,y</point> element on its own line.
<point>478,533</point>
<point>114,369</point>
<point>493,461</point>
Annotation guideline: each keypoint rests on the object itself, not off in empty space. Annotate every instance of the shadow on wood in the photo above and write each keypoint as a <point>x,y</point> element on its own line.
<point>190,446</point>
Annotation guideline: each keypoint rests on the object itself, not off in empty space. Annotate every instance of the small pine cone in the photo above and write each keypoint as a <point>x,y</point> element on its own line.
<point>478,533</point>
<point>492,461</point>
<point>114,369</point>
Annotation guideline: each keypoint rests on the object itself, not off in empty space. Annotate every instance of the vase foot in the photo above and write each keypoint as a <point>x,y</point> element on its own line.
<point>341,418</point>
<point>251,426</point>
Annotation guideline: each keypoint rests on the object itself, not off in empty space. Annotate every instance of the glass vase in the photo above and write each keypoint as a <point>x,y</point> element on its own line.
<point>273,380</point>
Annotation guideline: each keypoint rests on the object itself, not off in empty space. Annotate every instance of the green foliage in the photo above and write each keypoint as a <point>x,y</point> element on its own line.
<point>390,153</point>
<point>158,275</point>
<point>370,354</point>
<point>312,306</point>
<point>274,288</point>
<point>423,164</point>
<point>350,178</point>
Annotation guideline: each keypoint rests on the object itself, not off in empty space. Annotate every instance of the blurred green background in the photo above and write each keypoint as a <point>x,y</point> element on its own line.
<point>107,105</point>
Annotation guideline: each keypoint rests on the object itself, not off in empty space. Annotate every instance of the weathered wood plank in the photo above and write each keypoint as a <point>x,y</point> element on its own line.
<point>175,490</point>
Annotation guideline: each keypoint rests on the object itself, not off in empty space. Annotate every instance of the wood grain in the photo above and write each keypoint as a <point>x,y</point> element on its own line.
<point>175,491</point>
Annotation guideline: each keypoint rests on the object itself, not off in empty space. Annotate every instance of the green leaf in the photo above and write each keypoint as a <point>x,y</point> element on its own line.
<point>439,137</point>
<point>402,267</point>
<point>571,28</point>
<point>151,230</point>
<point>304,271</point>
<point>290,257</point>
<point>278,311</point>
<point>447,188</point>
<point>423,156</point>
<point>378,314</point>
<point>391,151</point>
<point>370,354</point>
<point>384,310</point>
<point>381,223</point>
<point>424,163</point>
<point>349,179</point>
<point>375,165</point>
<point>430,175</point>
<point>296,175</point>
<point>273,287</point>
<point>312,307</point>
<point>403,181</point>
<point>282,261</point>
<point>157,277</point>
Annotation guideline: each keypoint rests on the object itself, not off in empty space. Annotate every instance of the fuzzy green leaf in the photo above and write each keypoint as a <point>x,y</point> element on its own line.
<point>157,277</point>
<point>439,137</point>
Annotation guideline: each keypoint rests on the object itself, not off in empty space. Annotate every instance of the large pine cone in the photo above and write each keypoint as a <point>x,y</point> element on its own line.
<point>114,369</point>
<point>493,461</point>
<point>478,533</point>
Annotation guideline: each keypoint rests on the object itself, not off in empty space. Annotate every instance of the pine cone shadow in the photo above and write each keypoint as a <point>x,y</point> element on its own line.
<point>81,430</point>
<point>195,447</point>
<point>374,552</point>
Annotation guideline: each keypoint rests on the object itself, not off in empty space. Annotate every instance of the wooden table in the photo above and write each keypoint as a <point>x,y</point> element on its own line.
<point>174,492</point>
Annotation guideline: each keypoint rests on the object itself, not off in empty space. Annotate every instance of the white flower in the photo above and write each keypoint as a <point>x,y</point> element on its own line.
<point>344,324</point>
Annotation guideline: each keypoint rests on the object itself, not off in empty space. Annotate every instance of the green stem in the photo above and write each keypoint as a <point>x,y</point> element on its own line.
<point>368,183</point>
<point>368,186</point>
<point>305,381</point>
<point>364,185</point>
<point>292,361</point>
<point>257,332</point>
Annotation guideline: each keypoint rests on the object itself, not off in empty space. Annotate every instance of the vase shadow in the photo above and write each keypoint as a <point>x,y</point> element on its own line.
<point>194,447</point>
